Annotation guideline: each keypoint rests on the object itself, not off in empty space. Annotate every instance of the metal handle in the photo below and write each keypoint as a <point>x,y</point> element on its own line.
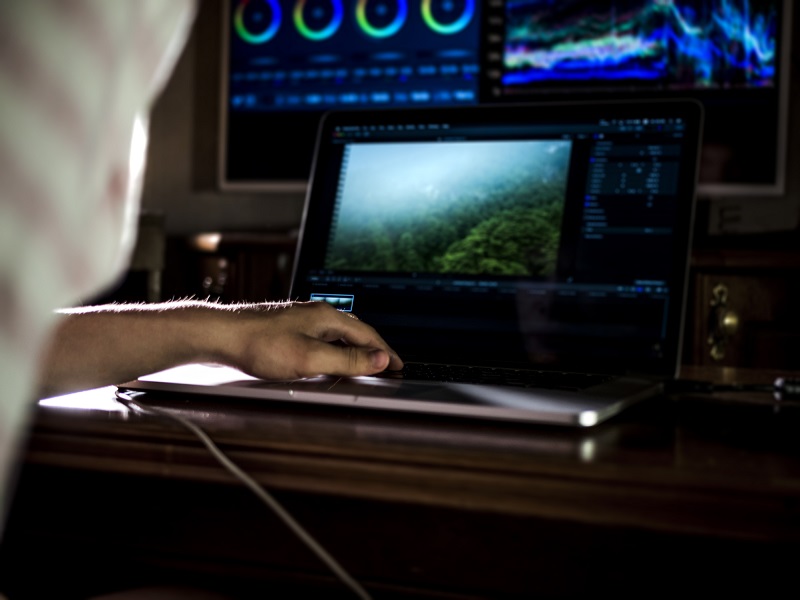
<point>723,322</point>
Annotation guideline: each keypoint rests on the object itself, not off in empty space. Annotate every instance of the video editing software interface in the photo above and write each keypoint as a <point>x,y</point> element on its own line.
<point>725,53</point>
<point>291,60</point>
<point>522,239</point>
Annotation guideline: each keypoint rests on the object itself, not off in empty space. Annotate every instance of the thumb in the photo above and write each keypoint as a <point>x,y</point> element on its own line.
<point>364,361</point>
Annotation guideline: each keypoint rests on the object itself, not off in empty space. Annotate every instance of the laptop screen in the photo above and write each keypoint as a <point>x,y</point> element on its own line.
<point>547,235</point>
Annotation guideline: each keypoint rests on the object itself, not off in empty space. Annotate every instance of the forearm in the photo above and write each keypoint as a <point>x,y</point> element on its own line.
<point>106,345</point>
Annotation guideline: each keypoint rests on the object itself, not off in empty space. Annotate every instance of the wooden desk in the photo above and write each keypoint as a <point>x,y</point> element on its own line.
<point>679,495</point>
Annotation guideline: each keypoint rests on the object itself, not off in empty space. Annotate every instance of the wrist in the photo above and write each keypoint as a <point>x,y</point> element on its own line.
<point>205,330</point>
<point>220,333</point>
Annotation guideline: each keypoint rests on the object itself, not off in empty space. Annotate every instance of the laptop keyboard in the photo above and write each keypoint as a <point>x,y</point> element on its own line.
<point>525,378</point>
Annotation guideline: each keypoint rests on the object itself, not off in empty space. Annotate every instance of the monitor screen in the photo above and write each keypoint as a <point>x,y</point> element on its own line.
<point>288,61</point>
<point>499,231</point>
<point>732,55</point>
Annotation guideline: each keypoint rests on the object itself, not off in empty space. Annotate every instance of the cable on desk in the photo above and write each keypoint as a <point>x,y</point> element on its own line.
<point>782,387</point>
<point>127,400</point>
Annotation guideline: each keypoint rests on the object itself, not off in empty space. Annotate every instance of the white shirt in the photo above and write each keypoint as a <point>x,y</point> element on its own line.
<point>74,77</point>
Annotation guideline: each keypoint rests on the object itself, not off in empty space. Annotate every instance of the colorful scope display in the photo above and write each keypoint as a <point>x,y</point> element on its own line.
<point>673,44</point>
<point>319,54</point>
<point>288,61</point>
<point>291,60</point>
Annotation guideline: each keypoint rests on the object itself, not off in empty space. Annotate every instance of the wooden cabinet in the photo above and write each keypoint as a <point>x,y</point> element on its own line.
<point>744,309</point>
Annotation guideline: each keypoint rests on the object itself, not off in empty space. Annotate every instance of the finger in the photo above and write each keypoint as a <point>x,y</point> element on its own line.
<point>372,341</point>
<point>347,361</point>
<point>346,327</point>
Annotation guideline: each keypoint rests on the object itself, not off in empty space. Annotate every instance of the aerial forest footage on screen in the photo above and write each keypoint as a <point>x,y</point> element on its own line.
<point>451,207</point>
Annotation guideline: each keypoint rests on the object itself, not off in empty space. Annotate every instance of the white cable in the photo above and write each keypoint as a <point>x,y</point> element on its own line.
<point>259,491</point>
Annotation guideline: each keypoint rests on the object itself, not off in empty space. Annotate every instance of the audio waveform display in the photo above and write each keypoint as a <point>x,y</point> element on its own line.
<point>672,44</point>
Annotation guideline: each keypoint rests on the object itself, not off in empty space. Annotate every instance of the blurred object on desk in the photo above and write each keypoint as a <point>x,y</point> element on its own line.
<point>233,266</point>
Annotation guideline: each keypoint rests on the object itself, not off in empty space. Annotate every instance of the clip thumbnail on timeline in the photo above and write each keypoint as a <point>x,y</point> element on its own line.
<point>320,54</point>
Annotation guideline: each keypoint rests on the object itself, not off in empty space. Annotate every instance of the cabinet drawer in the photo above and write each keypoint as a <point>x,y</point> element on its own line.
<point>744,320</point>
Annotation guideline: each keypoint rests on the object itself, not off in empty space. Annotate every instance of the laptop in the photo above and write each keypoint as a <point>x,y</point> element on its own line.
<point>527,261</point>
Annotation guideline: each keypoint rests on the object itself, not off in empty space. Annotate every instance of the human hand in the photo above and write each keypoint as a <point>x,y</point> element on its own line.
<point>283,340</point>
<point>291,340</point>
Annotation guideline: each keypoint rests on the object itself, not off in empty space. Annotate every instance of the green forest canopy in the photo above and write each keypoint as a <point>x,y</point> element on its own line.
<point>461,208</point>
